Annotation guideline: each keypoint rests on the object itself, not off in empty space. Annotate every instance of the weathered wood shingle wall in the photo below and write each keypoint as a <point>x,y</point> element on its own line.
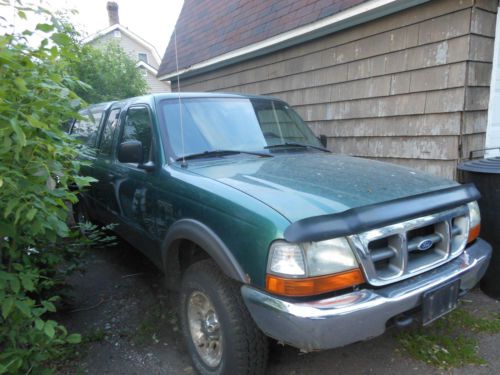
<point>479,75</point>
<point>409,88</point>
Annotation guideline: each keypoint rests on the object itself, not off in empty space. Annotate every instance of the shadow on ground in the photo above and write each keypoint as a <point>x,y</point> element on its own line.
<point>129,326</point>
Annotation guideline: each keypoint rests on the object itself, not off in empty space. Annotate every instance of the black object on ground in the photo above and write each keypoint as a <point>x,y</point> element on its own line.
<point>485,174</point>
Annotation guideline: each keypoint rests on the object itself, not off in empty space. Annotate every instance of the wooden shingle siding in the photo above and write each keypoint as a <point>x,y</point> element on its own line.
<point>410,88</point>
<point>477,93</point>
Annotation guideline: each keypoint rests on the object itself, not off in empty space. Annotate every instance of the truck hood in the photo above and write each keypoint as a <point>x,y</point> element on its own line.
<point>301,185</point>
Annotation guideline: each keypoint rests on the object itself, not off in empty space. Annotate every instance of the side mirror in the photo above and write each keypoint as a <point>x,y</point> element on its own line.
<point>130,152</point>
<point>323,139</point>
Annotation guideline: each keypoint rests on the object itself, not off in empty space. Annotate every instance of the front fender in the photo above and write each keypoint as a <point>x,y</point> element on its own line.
<point>205,238</point>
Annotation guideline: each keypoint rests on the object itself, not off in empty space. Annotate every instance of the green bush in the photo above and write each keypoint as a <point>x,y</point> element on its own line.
<point>38,164</point>
<point>103,69</point>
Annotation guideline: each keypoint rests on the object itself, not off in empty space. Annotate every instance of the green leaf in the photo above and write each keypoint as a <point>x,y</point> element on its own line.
<point>61,38</point>
<point>74,338</point>
<point>49,306</point>
<point>83,181</point>
<point>15,285</point>
<point>45,27</point>
<point>21,137</point>
<point>23,308</point>
<point>20,83</point>
<point>21,14</point>
<point>27,282</point>
<point>39,324</point>
<point>36,122</point>
<point>31,214</point>
<point>7,306</point>
<point>49,329</point>
<point>10,207</point>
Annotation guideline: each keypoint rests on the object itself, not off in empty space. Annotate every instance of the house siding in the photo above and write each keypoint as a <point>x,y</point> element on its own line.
<point>155,85</point>
<point>130,46</point>
<point>410,88</point>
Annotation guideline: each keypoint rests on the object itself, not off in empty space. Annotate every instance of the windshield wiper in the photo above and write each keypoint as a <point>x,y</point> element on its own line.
<point>216,153</point>
<point>294,144</point>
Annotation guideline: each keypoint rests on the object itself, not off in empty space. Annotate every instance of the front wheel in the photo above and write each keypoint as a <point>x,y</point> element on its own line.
<point>221,336</point>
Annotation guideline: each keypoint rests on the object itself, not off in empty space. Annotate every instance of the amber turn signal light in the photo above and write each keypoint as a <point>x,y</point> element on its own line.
<point>474,233</point>
<point>313,285</point>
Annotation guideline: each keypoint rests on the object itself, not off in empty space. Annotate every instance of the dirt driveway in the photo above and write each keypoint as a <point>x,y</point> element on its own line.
<point>129,327</point>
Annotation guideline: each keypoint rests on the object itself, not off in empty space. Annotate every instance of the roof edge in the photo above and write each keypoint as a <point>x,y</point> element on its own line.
<point>142,64</point>
<point>356,15</point>
<point>127,32</point>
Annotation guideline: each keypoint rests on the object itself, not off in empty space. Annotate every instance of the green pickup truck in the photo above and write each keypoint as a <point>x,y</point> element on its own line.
<point>266,233</point>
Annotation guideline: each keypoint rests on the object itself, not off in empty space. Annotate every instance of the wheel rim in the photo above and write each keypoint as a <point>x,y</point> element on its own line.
<point>204,328</point>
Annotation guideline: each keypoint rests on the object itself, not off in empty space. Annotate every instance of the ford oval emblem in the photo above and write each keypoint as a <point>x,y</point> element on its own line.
<point>425,245</point>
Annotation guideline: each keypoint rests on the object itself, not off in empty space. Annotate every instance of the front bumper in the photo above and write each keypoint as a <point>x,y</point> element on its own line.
<point>359,315</point>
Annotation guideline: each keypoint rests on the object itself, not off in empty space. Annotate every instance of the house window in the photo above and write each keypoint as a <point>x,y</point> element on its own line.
<point>144,72</point>
<point>117,34</point>
<point>143,57</point>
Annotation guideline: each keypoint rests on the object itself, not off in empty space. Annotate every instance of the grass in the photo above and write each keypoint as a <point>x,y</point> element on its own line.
<point>145,333</point>
<point>95,336</point>
<point>468,321</point>
<point>450,341</point>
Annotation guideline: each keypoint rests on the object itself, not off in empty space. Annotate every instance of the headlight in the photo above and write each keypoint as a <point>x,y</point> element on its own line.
<point>474,221</point>
<point>331,256</point>
<point>311,268</point>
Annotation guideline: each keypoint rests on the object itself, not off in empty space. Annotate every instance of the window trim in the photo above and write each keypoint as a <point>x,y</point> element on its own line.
<point>153,136</point>
<point>103,127</point>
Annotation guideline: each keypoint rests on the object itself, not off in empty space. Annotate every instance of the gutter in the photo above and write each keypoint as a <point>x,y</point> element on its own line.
<point>359,14</point>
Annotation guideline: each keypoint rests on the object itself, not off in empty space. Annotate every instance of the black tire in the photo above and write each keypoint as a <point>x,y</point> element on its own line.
<point>244,346</point>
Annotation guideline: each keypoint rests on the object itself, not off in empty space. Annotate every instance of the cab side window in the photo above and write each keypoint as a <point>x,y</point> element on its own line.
<point>109,131</point>
<point>85,129</point>
<point>137,127</point>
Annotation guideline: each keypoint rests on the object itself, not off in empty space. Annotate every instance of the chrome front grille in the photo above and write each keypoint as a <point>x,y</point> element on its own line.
<point>402,250</point>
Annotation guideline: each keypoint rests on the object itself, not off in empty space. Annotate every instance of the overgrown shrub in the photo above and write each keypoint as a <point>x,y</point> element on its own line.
<point>38,164</point>
<point>103,70</point>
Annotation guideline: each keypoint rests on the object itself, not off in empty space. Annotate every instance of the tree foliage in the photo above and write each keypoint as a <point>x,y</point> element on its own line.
<point>109,73</point>
<point>38,164</point>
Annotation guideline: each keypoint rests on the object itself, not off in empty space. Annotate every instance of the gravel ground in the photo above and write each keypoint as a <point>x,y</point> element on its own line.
<point>130,327</point>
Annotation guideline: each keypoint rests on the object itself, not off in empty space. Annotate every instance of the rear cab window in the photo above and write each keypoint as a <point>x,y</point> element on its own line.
<point>86,128</point>
<point>108,132</point>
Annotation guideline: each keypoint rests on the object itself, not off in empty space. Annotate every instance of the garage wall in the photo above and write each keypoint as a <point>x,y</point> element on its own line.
<point>410,88</point>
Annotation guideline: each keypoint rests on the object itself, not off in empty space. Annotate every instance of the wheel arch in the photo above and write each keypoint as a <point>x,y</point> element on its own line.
<point>195,232</point>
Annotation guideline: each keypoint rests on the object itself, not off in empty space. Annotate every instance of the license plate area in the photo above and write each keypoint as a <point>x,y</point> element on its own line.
<point>440,301</point>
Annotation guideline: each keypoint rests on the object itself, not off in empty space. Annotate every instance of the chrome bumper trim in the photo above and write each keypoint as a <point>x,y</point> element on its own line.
<point>359,315</point>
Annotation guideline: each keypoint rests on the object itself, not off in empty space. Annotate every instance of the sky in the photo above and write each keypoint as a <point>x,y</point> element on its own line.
<point>152,20</point>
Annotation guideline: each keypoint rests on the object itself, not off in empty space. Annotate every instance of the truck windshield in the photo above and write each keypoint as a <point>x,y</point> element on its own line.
<point>234,124</point>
